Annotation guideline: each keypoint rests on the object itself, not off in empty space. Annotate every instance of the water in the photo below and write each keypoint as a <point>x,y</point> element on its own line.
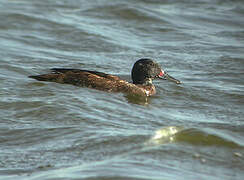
<point>190,131</point>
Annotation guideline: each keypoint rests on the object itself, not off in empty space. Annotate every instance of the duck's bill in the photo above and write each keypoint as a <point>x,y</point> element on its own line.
<point>166,76</point>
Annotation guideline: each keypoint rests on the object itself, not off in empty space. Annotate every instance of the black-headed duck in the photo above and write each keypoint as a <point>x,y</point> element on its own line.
<point>143,72</point>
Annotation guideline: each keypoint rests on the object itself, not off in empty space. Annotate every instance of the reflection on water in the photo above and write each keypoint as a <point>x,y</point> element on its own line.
<point>141,100</point>
<point>165,135</point>
<point>193,136</point>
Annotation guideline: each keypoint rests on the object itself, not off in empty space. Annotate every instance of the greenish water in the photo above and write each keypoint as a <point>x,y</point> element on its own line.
<point>190,131</point>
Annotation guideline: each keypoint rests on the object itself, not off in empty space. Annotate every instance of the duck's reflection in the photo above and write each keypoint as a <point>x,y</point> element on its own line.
<point>141,100</point>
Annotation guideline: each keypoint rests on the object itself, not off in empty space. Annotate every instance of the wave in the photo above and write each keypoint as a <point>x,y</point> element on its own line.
<point>193,136</point>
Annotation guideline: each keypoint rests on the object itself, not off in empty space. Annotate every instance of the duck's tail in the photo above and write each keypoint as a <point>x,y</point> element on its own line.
<point>46,77</point>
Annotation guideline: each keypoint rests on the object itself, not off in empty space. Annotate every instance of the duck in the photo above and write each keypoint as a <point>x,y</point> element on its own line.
<point>144,71</point>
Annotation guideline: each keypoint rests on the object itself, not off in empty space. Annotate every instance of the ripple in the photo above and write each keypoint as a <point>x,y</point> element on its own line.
<point>193,136</point>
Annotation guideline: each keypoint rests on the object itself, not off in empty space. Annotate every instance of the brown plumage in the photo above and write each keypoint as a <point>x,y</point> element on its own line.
<point>143,72</point>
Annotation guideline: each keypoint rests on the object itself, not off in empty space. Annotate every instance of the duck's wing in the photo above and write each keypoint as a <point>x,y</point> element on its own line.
<point>76,77</point>
<point>100,74</point>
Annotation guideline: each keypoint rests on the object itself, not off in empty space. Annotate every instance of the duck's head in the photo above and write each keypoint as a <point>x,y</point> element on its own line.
<point>145,70</point>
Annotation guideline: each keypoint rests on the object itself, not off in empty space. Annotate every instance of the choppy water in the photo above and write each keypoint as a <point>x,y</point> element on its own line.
<point>190,131</point>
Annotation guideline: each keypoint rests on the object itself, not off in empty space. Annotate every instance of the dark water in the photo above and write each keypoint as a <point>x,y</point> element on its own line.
<point>190,131</point>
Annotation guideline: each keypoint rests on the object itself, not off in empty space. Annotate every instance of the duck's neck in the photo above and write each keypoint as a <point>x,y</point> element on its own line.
<point>148,82</point>
<point>145,82</point>
<point>149,89</point>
